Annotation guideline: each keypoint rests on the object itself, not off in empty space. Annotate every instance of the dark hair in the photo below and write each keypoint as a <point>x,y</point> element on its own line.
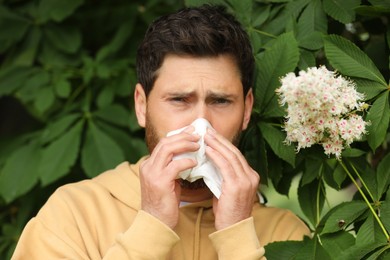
<point>205,31</point>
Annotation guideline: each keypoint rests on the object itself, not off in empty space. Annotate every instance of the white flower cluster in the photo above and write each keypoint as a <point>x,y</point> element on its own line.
<point>321,109</point>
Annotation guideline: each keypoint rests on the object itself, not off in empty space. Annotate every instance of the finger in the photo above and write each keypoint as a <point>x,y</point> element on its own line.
<point>228,152</point>
<point>169,146</point>
<point>228,145</point>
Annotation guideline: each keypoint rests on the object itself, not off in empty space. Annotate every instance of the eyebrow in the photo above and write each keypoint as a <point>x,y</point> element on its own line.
<point>210,94</point>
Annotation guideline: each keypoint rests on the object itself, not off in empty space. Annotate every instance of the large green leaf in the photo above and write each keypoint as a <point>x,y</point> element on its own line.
<point>311,25</point>
<point>115,114</point>
<point>336,243</point>
<point>201,2</point>
<point>349,60</point>
<point>311,199</point>
<point>369,88</point>
<point>20,172</point>
<point>380,3</point>
<point>281,58</point>
<point>57,10</point>
<point>341,10</point>
<point>378,116</point>
<point>13,78</point>
<point>58,127</point>
<point>283,250</point>
<point>343,215</point>
<point>275,138</point>
<point>243,10</point>
<point>100,152</point>
<point>27,52</point>
<point>360,251</point>
<point>59,156</point>
<point>289,12</point>
<point>306,249</point>
<point>370,232</point>
<point>64,39</point>
<point>385,211</point>
<point>383,175</point>
<point>118,40</point>
<point>314,168</point>
<point>13,27</point>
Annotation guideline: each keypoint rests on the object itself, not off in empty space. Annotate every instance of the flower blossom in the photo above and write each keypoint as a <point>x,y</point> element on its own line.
<point>321,109</point>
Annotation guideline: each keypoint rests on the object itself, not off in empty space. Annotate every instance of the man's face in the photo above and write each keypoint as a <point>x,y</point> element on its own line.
<point>188,88</point>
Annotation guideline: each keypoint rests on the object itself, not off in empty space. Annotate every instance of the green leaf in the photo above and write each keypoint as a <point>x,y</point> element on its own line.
<point>59,156</point>
<point>57,10</point>
<point>314,168</point>
<point>275,138</point>
<point>385,211</point>
<point>372,11</point>
<point>370,232</point>
<point>66,39</point>
<point>114,114</point>
<point>343,215</point>
<point>311,25</point>
<point>277,61</point>
<point>307,59</point>
<point>378,116</point>
<point>311,199</point>
<point>349,60</point>
<point>28,49</point>
<point>201,2</point>
<point>119,39</point>
<point>369,88</point>
<point>62,88</point>
<point>13,78</point>
<point>44,100</point>
<point>352,152</point>
<point>380,3</point>
<point>58,127</point>
<point>360,251</point>
<point>13,28</point>
<point>100,152</point>
<point>283,250</point>
<point>312,250</point>
<point>383,175</point>
<point>339,175</point>
<point>242,10</point>
<point>290,12</point>
<point>338,242</point>
<point>341,10</point>
<point>132,147</point>
<point>106,96</point>
<point>20,172</point>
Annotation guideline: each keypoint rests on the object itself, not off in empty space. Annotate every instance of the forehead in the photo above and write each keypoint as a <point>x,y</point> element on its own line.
<point>188,73</point>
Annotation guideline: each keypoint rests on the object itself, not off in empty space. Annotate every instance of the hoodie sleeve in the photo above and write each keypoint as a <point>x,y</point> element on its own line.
<point>238,241</point>
<point>147,238</point>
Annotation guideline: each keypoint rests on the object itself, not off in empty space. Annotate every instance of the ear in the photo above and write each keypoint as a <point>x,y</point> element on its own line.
<point>140,103</point>
<point>249,99</point>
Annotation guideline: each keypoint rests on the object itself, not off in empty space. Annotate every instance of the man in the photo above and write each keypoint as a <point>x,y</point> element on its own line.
<point>196,63</point>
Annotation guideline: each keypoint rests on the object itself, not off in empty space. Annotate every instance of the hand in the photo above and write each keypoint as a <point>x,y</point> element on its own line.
<point>160,192</point>
<point>240,181</point>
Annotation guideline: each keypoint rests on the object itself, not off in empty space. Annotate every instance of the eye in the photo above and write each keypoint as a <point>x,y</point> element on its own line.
<point>178,99</point>
<point>222,101</point>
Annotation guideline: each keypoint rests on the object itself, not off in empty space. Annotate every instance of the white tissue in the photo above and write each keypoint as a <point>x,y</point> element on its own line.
<point>205,168</point>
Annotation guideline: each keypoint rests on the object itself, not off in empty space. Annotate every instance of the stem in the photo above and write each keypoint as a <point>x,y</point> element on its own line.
<point>362,181</point>
<point>367,202</point>
<point>318,204</point>
<point>264,33</point>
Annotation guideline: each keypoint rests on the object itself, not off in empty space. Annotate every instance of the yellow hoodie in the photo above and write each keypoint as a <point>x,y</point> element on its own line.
<point>101,219</point>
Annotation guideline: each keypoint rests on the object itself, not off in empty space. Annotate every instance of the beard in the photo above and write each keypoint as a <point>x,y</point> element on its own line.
<point>152,139</point>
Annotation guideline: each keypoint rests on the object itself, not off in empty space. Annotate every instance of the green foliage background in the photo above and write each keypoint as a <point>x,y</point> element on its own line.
<point>66,81</point>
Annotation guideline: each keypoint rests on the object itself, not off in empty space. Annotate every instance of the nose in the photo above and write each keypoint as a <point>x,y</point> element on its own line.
<point>202,111</point>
